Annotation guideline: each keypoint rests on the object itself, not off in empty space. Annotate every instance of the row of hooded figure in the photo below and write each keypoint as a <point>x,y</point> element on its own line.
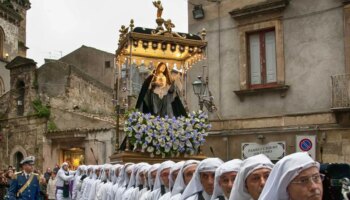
<point>294,177</point>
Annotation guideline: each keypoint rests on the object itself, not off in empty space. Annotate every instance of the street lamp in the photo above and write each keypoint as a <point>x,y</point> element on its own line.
<point>198,86</point>
<point>198,12</point>
<point>205,98</point>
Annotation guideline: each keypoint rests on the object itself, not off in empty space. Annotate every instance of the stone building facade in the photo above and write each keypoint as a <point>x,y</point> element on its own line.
<point>12,36</point>
<point>98,64</point>
<point>56,112</point>
<point>278,72</point>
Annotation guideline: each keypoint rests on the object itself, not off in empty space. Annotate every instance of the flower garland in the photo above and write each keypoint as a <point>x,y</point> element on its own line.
<point>167,136</point>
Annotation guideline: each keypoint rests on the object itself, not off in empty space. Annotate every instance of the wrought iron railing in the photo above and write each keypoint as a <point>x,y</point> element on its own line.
<point>341,91</point>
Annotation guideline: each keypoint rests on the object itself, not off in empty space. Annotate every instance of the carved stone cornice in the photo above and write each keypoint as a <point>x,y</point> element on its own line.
<point>259,8</point>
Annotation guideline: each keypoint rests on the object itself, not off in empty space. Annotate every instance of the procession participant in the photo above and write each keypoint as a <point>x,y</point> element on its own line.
<point>174,171</point>
<point>225,176</point>
<point>77,177</point>
<point>183,178</point>
<point>92,177</point>
<point>79,186</point>
<point>131,185</point>
<point>151,177</point>
<point>86,182</point>
<point>95,182</point>
<point>161,184</point>
<point>201,185</point>
<point>126,174</point>
<point>251,178</point>
<point>116,180</point>
<point>141,182</point>
<point>294,177</point>
<point>103,187</point>
<point>62,184</point>
<point>25,184</point>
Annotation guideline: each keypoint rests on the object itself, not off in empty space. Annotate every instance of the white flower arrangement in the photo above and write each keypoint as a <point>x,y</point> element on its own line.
<point>167,136</point>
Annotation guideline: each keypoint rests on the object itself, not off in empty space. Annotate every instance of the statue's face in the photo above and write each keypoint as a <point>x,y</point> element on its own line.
<point>161,68</point>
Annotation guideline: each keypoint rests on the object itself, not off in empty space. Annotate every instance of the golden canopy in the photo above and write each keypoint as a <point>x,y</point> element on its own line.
<point>145,46</point>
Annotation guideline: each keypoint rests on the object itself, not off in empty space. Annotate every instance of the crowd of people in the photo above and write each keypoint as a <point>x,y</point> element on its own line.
<point>294,177</point>
<point>47,182</point>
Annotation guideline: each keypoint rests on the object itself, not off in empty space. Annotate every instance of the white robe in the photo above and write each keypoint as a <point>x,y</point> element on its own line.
<point>75,189</point>
<point>93,189</point>
<point>147,195</point>
<point>195,196</point>
<point>108,189</point>
<point>120,193</point>
<point>176,197</point>
<point>155,194</point>
<point>137,193</point>
<point>127,193</point>
<point>99,191</point>
<point>166,196</point>
<point>84,195</point>
<point>114,191</point>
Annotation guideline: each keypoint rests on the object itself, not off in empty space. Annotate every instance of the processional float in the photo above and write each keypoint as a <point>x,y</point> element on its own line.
<point>147,135</point>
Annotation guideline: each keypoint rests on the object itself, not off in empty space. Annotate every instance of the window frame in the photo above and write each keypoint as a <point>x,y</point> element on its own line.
<point>244,67</point>
<point>262,52</point>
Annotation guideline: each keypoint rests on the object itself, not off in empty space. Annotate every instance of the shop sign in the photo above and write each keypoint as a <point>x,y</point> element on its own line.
<point>273,150</point>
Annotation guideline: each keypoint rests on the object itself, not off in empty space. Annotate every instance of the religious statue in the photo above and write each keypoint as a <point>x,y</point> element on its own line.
<point>169,25</point>
<point>159,94</point>
<point>158,4</point>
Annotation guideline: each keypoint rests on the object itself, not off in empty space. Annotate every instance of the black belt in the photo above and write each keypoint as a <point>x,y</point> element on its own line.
<point>59,188</point>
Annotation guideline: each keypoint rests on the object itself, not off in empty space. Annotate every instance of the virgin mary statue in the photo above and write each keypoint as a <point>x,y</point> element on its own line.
<point>159,95</point>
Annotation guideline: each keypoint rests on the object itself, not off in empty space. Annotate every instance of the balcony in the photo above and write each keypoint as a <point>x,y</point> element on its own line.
<point>341,98</point>
<point>341,92</point>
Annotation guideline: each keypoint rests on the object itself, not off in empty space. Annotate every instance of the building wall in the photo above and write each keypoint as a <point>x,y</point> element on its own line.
<point>72,89</point>
<point>313,47</point>
<point>11,39</point>
<point>314,50</point>
<point>92,61</point>
<point>22,134</point>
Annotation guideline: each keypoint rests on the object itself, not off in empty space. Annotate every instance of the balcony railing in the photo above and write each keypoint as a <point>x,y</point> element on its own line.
<point>341,92</point>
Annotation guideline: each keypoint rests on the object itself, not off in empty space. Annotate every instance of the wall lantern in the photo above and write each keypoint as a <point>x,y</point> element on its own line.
<point>198,12</point>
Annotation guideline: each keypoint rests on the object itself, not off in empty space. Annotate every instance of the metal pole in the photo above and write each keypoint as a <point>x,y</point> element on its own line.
<point>117,108</point>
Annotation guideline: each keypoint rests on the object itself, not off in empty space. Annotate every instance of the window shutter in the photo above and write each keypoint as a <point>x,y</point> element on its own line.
<point>255,70</point>
<point>270,45</point>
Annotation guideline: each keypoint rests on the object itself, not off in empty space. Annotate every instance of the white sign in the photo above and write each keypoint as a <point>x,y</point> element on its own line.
<point>273,150</point>
<point>306,143</point>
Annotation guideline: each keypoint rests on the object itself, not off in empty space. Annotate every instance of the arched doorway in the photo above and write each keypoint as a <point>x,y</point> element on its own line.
<point>18,157</point>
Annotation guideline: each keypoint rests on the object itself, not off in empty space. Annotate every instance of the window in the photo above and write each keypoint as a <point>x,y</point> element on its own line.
<point>2,87</point>
<point>107,64</point>
<point>2,40</point>
<point>262,58</point>
<point>18,157</point>
<point>20,98</point>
